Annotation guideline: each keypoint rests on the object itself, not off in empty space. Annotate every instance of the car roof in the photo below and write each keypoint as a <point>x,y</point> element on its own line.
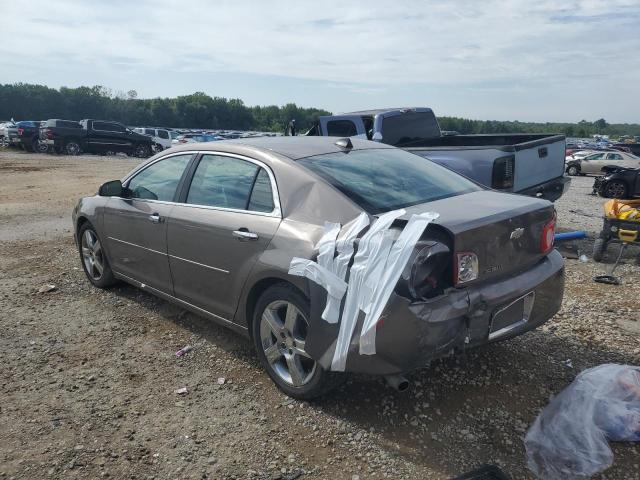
<point>377,111</point>
<point>295,148</point>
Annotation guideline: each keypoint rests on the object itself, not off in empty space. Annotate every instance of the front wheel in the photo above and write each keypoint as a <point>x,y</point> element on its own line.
<point>142,151</point>
<point>279,331</point>
<point>615,190</point>
<point>573,170</point>
<point>94,259</point>
<point>72,148</point>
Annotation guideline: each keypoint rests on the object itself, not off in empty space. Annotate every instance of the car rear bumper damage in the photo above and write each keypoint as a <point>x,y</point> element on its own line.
<point>551,190</point>
<point>411,334</point>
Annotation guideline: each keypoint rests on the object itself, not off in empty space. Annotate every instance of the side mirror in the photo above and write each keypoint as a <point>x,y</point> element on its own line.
<point>377,137</point>
<point>111,189</point>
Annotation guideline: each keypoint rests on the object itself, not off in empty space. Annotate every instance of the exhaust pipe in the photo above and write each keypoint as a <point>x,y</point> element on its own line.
<point>397,382</point>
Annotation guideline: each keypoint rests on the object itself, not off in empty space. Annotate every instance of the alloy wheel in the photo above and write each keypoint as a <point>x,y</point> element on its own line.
<point>616,190</point>
<point>72,148</point>
<point>283,330</point>
<point>92,255</point>
<point>142,151</point>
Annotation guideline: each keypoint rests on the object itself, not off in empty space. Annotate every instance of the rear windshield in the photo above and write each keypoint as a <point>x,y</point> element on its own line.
<point>380,180</point>
<point>409,127</point>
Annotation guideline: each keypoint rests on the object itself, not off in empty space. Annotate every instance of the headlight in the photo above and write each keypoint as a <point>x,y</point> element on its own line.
<point>466,267</point>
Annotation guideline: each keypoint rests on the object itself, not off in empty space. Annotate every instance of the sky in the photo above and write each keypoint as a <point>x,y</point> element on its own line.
<point>484,59</point>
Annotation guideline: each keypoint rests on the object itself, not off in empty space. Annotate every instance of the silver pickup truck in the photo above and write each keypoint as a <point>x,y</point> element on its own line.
<point>529,164</point>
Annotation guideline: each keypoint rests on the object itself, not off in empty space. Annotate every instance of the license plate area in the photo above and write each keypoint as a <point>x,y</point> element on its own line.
<point>511,316</point>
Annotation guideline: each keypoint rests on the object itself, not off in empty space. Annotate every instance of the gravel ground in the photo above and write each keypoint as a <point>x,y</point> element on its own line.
<point>88,377</point>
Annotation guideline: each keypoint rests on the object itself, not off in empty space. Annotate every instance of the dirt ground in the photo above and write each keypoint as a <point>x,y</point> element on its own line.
<point>88,376</point>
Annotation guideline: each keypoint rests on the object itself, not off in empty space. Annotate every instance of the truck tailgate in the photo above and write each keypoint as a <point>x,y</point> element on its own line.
<point>538,162</point>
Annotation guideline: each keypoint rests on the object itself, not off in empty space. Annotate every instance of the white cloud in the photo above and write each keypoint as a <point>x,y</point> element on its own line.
<point>369,45</point>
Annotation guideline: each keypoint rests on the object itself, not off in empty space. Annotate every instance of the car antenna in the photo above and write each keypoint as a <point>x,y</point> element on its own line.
<point>344,143</point>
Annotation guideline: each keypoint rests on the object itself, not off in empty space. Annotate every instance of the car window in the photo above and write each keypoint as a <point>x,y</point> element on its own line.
<point>163,134</point>
<point>614,156</point>
<point>174,134</point>
<point>159,180</point>
<point>380,180</point>
<point>150,131</point>
<point>341,128</point>
<point>222,182</point>
<point>261,196</point>
<point>596,156</point>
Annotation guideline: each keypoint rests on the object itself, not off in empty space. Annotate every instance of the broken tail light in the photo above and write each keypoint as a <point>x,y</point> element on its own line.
<point>465,268</point>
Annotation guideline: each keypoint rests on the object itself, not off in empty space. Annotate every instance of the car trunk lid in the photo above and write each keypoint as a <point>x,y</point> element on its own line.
<point>503,230</point>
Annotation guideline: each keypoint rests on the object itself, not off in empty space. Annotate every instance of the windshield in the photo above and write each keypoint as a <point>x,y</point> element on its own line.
<point>380,180</point>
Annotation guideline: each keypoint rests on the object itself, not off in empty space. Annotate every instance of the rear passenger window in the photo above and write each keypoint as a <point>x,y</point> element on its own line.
<point>341,128</point>
<point>163,134</point>
<point>150,131</point>
<point>222,182</point>
<point>261,195</point>
<point>615,156</point>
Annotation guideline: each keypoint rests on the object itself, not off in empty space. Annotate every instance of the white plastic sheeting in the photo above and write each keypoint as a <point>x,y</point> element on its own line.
<point>569,439</point>
<point>377,266</point>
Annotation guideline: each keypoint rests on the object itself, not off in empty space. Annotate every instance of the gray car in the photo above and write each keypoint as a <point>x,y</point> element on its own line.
<point>332,255</point>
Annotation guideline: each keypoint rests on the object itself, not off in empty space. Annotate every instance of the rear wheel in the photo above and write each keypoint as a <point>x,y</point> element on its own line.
<point>615,189</point>
<point>573,170</point>
<point>279,328</point>
<point>94,259</point>
<point>40,146</point>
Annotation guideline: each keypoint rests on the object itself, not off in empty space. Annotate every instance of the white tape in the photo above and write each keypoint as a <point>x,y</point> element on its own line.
<point>326,247</point>
<point>384,284</point>
<point>344,245</point>
<point>302,267</point>
<point>370,246</point>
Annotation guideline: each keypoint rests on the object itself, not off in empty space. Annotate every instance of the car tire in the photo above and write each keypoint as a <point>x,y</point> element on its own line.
<point>599,249</point>
<point>72,148</point>
<point>615,189</point>
<point>141,150</point>
<point>93,257</point>
<point>280,342</point>
<point>573,170</point>
<point>40,147</point>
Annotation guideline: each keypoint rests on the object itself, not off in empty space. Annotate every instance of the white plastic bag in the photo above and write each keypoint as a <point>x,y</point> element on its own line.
<point>569,439</point>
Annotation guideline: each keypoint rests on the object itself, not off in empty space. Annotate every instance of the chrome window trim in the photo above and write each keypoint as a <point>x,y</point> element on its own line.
<point>276,212</point>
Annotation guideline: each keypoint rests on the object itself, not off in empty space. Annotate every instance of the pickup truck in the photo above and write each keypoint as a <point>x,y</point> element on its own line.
<point>26,136</point>
<point>94,136</point>
<point>528,164</point>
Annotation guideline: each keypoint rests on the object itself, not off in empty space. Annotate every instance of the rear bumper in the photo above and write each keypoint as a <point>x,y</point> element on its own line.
<point>413,334</point>
<point>551,190</point>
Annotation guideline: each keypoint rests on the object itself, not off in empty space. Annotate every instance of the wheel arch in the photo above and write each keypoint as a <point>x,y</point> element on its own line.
<point>256,290</point>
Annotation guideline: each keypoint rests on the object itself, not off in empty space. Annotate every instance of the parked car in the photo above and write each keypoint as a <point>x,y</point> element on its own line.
<point>618,182</point>
<point>27,136</point>
<point>214,227</point>
<point>529,164</point>
<point>578,154</point>
<point>194,138</point>
<point>56,134</point>
<point>4,132</point>
<point>160,136</point>
<point>101,136</point>
<point>633,148</point>
<point>594,163</point>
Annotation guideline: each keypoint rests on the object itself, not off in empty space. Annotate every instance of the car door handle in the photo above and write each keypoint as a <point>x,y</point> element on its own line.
<point>244,234</point>
<point>155,218</point>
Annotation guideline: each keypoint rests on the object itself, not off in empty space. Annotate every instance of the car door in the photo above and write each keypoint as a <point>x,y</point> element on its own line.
<point>226,219</point>
<point>592,163</point>
<point>343,126</point>
<point>136,226</point>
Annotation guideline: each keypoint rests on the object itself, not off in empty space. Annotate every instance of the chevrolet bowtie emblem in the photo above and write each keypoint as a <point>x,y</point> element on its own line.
<point>517,233</point>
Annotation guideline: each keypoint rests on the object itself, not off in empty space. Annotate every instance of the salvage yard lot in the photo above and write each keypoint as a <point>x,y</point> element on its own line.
<point>88,376</point>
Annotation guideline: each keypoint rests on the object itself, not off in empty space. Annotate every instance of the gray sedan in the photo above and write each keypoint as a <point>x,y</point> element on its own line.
<point>332,255</point>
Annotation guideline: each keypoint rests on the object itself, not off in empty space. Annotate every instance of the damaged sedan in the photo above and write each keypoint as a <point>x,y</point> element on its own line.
<point>332,255</point>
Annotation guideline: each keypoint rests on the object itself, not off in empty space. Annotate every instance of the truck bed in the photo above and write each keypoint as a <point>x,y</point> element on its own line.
<point>504,142</point>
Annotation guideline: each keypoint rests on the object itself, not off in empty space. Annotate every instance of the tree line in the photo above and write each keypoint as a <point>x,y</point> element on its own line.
<point>23,101</point>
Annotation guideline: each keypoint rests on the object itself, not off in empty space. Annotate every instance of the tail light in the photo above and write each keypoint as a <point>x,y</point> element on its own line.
<point>465,267</point>
<point>503,172</point>
<point>548,235</point>
<point>49,133</point>
<point>20,131</point>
